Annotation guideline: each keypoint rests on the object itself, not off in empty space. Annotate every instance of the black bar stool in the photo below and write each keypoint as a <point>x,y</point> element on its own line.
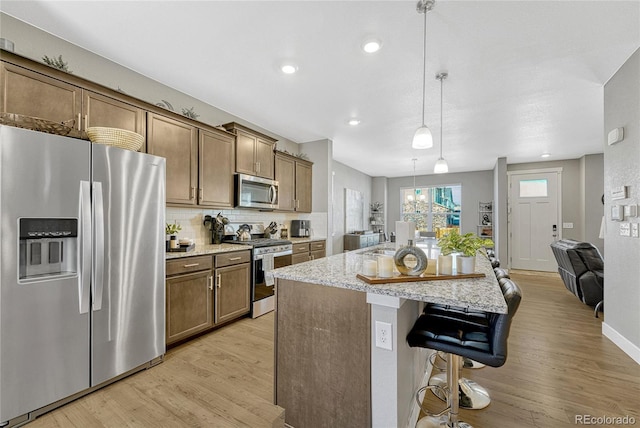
<point>487,345</point>
<point>501,273</point>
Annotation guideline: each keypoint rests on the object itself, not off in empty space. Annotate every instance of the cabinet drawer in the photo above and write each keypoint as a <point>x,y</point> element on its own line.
<point>234,258</point>
<point>189,264</point>
<point>301,248</point>
<point>317,245</point>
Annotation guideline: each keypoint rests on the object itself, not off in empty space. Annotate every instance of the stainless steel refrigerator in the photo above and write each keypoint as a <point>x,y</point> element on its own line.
<point>82,267</point>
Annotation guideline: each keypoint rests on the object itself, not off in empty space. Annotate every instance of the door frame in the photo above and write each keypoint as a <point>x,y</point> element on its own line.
<point>510,174</point>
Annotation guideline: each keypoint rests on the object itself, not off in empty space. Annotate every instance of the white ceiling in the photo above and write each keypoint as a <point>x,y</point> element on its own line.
<point>525,77</point>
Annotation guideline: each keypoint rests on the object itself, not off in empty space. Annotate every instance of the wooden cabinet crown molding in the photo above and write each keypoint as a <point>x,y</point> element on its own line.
<point>291,156</point>
<point>233,126</point>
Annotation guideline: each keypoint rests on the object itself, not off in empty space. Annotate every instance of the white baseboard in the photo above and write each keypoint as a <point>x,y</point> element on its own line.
<point>621,342</point>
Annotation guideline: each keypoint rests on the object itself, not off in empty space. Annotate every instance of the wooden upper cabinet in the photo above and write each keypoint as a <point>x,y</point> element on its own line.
<point>177,142</point>
<point>100,110</point>
<point>216,156</point>
<point>254,151</point>
<point>32,94</point>
<point>294,183</point>
<point>303,186</point>
<point>285,173</point>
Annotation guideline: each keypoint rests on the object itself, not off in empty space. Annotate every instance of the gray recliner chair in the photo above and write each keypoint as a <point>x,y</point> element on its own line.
<point>582,270</point>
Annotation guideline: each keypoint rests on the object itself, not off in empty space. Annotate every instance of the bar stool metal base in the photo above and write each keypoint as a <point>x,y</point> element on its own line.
<point>438,422</point>
<point>472,395</point>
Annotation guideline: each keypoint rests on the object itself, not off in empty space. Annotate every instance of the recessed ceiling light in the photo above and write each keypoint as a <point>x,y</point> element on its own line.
<point>289,68</point>
<point>354,122</point>
<point>371,45</point>
<point>546,155</point>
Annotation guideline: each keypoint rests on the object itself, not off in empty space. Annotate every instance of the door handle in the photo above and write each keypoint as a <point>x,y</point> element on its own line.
<point>232,259</point>
<point>201,194</point>
<point>191,265</point>
<point>211,282</point>
<point>99,245</point>
<point>219,280</point>
<point>84,256</point>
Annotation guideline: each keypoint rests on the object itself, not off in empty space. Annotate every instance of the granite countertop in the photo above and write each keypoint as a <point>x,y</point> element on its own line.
<point>340,271</point>
<point>203,250</point>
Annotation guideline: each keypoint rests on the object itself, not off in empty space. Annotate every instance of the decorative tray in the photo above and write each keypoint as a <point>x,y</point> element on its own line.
<point>424,277</point>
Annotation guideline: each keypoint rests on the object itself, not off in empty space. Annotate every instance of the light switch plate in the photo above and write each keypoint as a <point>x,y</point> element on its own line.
<point>625,229</point>
<point>567,225</point>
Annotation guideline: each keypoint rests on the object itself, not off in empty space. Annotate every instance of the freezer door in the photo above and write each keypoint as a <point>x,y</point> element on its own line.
<point>128,327</point>
<point>44,331</point>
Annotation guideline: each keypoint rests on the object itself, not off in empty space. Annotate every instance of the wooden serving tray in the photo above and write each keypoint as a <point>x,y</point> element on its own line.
<point>424,277</point>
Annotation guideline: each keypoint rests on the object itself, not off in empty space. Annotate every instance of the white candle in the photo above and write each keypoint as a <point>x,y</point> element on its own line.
<point>369,268</point>
<point>385,266</point>
<point>445,265</point>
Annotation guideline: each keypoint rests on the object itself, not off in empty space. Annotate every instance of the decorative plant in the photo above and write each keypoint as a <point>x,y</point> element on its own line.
<point>190,113</point>
<point>165,104</point>
<point>173,228</point>
<point>467,244</point>
<point>57,63</point>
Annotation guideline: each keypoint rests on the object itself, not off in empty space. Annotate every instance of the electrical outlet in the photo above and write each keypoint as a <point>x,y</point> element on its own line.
<point>634,230</point>
<point>384,335</point>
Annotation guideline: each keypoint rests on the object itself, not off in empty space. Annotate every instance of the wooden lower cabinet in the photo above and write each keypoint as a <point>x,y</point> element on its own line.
<point>306,251</point>
<point>189,305</point>
<point>206,291</point>
<point>233,292</point>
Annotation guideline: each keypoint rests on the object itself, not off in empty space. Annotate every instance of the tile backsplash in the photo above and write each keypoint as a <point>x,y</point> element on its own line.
<point>192,221</point>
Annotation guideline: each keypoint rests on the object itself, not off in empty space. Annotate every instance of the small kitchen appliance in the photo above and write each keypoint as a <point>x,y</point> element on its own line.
<point>300,228</point>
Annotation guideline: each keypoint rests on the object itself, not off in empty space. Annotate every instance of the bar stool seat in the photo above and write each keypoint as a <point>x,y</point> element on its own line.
<point>487,345</point>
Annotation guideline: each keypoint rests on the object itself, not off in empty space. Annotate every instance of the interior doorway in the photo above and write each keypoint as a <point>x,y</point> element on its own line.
<point>534,207</point>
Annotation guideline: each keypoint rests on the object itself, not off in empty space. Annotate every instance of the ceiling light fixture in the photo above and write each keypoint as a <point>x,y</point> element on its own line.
<point>545,155</point>
<point>354,122</point>
<point>441,164</point>
<point>423,139</point>
<point>371,45</point>
<point>289,68</point>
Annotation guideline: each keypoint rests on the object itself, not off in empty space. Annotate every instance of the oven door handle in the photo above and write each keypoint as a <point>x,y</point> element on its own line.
<point>279,254</point>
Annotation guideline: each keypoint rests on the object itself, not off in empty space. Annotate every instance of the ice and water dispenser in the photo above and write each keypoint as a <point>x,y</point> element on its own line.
<point>48,248</point>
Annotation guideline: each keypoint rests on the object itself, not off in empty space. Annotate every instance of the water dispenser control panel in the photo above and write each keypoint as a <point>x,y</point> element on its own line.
<point>47,248</point>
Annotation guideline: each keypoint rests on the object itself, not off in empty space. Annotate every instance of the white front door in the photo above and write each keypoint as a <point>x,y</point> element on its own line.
<point>534,213</point>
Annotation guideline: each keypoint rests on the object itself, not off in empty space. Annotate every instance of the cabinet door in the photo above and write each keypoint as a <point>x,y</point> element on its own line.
<point>264,158</point>
<point>100,110</point>
<point>300,258</point>
<point>189,305</point>
<point>245,153</point>
<point>32,94</point>
<point>215,170</point>
<point>178,143</point>
<point>303,187</point>
<point>317,249</point>
<point>285,175</point>
<point>233,292</point>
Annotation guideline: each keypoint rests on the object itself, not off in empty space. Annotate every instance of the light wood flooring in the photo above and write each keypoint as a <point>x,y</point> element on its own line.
<point>559,365</point>
<point>222,379</point>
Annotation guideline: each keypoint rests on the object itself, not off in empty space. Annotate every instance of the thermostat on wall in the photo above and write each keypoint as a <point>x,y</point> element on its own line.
<point>615,136</point>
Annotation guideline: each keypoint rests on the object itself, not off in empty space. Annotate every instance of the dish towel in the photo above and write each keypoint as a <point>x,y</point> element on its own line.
<point>267,265</point>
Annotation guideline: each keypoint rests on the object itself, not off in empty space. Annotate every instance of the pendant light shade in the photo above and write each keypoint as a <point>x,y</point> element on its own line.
<point>423,139</point>
<point>441,165</point>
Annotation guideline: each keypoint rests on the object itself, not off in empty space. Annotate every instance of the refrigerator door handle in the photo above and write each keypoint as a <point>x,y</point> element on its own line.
<point>84,279</point>
<point>98,280</point>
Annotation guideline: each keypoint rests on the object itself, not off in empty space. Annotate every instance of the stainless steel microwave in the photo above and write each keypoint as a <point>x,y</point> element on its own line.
<point>256,192</point>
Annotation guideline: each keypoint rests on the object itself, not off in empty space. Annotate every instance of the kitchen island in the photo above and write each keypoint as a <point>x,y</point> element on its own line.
<point>329,370</point>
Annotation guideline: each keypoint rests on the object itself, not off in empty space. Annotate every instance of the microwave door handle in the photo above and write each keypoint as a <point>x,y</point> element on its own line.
<point>274,192</point>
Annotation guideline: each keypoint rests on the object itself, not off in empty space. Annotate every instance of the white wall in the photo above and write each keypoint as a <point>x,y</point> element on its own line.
<point>345,177</point>
<point>621,168</point>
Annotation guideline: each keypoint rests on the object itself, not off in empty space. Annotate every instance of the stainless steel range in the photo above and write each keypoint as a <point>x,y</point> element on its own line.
<point>267,254</point>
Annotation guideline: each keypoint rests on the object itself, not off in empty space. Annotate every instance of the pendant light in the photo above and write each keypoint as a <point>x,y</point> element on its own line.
<point>441,164</point>
<point>423,139</point>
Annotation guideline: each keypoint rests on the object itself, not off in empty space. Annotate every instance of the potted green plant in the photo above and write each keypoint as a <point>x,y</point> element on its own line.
<point>171,230</point>
<point>467,245</point>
